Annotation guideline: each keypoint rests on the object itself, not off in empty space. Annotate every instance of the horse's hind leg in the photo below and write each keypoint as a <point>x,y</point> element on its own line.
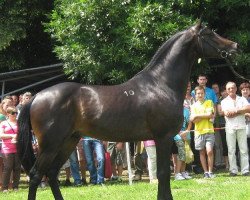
<point>36,176</point>
<point>35,179</point>
<point>163,148</point>
<point>52,175</point>
<point>48,162</point>
<point>65,150</point>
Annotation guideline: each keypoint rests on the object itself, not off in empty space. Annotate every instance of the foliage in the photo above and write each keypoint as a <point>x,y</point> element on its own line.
<point>13,16</point>
<point>11,56</point>
<point>230,18</point>
<point>109,41</point>
<point>22,41</point>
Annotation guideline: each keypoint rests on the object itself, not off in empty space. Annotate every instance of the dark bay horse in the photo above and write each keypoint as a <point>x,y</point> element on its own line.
<point>148,106</point>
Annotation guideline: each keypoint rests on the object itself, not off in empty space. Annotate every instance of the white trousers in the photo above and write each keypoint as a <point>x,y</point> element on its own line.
<point>233,135</point>
<point>152,165</point>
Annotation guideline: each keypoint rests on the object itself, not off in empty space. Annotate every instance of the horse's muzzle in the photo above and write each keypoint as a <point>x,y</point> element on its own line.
<point>235,49</point>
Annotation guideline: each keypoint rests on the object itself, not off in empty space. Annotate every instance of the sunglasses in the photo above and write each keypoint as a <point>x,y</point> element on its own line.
<point>13,113</point>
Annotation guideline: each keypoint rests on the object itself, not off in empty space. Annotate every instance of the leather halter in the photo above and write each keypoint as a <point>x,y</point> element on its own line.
<point>223,53</point>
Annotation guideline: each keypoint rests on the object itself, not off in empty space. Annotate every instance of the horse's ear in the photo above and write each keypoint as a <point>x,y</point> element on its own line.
<point>198,26</point>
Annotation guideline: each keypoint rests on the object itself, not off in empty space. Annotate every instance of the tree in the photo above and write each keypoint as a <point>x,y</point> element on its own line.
<point>229,18</point>
<point>23,42</point>
<point>12,21</point>
<point>109,41</point>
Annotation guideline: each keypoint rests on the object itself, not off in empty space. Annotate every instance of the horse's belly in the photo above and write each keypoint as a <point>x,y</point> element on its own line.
<point>118,131</point>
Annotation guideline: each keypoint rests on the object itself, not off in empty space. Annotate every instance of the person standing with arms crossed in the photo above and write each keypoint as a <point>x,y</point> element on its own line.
<point>245,92</point>
<point>234,107</point>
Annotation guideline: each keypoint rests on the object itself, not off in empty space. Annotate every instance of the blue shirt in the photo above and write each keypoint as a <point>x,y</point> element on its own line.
<point>186,114</point>
<point>89,138</point>
<point>209,95</point>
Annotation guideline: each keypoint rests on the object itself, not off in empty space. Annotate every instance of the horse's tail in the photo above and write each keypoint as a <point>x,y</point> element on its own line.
<point>24,139</point>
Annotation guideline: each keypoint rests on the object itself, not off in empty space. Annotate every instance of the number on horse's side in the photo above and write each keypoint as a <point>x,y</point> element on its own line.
<point>148,106</point>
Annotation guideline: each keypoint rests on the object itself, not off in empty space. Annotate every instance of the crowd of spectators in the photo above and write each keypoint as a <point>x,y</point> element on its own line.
<point>216,126</point>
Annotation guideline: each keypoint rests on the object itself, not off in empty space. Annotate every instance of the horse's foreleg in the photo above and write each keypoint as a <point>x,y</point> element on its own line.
<point>35,179</point>
<point>163,149</point>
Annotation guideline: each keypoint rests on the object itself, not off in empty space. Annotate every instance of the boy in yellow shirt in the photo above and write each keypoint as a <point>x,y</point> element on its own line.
<point>202,115</point>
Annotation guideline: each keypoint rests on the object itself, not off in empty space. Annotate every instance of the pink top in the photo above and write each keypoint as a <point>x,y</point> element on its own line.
<point>149,143</point>
<point>7,146</point>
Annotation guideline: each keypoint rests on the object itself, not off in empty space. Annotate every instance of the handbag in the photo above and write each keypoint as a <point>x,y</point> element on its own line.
<point>189,153</point>
<point>107,166</point>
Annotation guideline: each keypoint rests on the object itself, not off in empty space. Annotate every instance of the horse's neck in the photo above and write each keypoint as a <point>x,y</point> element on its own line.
<point>172,67</point>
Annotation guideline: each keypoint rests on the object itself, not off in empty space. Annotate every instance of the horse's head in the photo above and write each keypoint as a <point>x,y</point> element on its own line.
<point>210,44</point>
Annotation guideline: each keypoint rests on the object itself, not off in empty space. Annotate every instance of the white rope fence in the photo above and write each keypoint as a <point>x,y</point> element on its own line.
<point>193,130</point>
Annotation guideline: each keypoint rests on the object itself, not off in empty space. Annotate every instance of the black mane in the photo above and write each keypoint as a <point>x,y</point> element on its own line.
<point>163,48</point>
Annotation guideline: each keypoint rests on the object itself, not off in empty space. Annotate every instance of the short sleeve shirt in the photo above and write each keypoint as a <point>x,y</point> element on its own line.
<point>7,146</point>
<point>205,125</point>
<point>229,104</point>
<point>2,117</point>
<point>209,95</point>
<point>186,114</point>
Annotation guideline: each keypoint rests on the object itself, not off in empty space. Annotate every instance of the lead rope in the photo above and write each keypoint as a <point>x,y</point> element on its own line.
<point>234,72</point>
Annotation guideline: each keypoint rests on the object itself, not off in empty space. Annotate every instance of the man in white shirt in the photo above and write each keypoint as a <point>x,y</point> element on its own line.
<point>234,107</point>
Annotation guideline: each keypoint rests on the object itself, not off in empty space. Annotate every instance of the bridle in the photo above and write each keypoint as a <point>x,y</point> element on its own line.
<point>223,53</point>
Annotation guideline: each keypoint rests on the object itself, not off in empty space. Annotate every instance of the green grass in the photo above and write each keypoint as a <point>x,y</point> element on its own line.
<point>220,188</point>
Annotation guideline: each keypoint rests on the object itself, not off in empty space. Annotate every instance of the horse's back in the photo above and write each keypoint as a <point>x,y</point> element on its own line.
<point>59,90</point>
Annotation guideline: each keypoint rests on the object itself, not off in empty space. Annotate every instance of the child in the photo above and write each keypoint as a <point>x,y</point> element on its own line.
<point>202,115</point>
<point>152,166</point>
<point>180,173</point>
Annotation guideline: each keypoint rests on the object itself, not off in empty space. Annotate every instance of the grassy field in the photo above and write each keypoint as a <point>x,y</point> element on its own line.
<point>222,187</point>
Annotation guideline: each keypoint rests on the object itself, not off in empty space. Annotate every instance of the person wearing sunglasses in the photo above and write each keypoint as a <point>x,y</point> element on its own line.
<point>3,107</point>
<point>8,134</point>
